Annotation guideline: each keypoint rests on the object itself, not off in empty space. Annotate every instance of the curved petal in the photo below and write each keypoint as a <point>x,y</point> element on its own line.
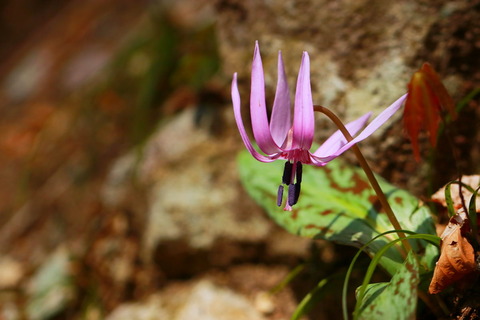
<point>320,161</point>
<point>280,122</point>
<point>258,110</point>
<point>373,126</point>
<point>337,140</point>
<point>241,128</point>
<point>303,120</point>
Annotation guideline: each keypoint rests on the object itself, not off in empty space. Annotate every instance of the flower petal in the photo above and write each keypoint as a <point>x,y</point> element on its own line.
<point>258,110</point>
<point>338,140</point>
<point>371,128</point>
<point>318,160</point>
<point>241,128</point>
<point>280,121</point>
<point>303,121</point>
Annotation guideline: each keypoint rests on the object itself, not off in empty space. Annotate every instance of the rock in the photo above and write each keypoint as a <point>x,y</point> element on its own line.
<point>175,141</point>
<point>187,203</point>
<point>359,51</point>
<point>198,300</point>
<point>24,79</point>
<point>11,273</point>
<point>118,182</point>
<point>208,302</point>
<point>195,201</point>
<point>50,290</point>
<point>9,310</point>
<point>264,302</point>
<point>150,310</point>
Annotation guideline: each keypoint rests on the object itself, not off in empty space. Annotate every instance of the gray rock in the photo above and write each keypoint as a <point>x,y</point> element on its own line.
<point>199,300</point>
<point>11,272</point>
<point>51,288</point>
<point>24,79</point>
<point>360,52</point>
<point>195,196</point>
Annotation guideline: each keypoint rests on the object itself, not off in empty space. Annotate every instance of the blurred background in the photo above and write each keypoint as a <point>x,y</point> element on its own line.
<point>119,193</point>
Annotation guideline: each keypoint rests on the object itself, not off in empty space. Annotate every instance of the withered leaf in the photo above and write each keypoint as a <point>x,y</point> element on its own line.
<point>457,257</point>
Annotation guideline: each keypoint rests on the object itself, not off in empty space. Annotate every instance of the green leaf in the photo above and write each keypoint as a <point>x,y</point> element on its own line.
<point>448,195</point>
<point>396,299</point>
<point>372,291</point>
<point>323,288</point>
<point>376,259</point>
<point>290,276</point>
<point>472,213</point>
<point>310,299</point>
<point>337,204</point>
<point>434,240</point>
<point>449,200</point>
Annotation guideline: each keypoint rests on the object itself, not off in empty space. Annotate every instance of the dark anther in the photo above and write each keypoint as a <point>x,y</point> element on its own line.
<point>297,192</point>
<point>287,172</point>
<point>279,195</point>
<point>291,194</point>
<point>299,172</point>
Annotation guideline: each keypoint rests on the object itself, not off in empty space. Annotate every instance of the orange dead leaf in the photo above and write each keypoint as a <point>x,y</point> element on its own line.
<point>457,257</point>
<point>427,99</point>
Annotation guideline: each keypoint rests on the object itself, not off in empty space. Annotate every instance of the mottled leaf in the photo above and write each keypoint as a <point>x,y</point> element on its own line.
<point>396,299</point>
<point>372,292</point>
<point>337,204</point>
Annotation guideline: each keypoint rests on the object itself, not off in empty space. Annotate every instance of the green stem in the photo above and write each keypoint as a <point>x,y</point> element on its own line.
<point>371,177</point>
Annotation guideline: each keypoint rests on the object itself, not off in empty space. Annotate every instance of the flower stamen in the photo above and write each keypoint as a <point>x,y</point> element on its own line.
<point>292,177</point>
<point>291,194</point>
<point>287,173</point>
<point>280,195</point>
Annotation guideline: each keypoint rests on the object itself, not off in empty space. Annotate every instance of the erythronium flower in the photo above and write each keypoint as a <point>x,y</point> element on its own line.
<point>282,139</point>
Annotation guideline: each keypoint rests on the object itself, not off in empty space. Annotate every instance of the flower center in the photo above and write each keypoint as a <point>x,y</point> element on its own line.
<point>292,177</point>
<point>298,155</point>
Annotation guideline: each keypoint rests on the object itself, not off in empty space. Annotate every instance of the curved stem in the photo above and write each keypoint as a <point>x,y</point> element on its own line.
<point>371,177</point>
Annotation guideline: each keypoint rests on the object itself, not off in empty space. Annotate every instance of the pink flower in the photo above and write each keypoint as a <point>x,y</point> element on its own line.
<point>279,138</point>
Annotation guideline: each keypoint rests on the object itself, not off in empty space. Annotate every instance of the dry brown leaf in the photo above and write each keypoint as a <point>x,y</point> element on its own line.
<point>457,257</point>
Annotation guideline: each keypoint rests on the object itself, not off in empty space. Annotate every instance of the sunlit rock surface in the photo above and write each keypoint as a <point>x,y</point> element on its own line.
<point>202,300</point>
